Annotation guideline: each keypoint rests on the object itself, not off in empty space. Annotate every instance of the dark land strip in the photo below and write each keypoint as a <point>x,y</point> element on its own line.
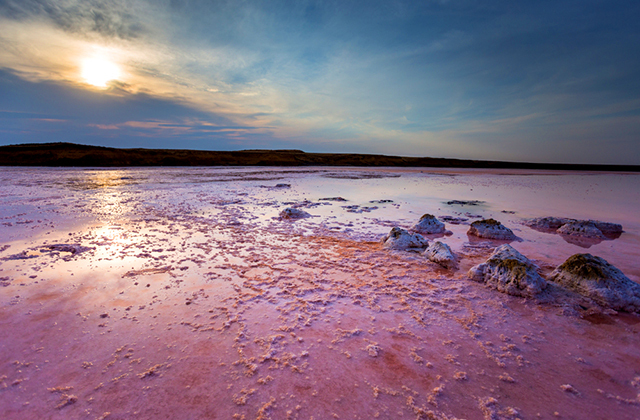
<point>76,155</point>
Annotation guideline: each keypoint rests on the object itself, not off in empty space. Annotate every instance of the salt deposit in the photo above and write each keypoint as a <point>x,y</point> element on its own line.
<point>400,239</point>
<point>293,213</point>
<point>440,253</point>
<point>595,278</point>
<point>491,229</point>
<point>182,293</point>
<point>510,272</point>
<point>428,224</point>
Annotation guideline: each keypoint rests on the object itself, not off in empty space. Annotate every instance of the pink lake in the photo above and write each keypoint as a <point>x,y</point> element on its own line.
<point>178,293</point>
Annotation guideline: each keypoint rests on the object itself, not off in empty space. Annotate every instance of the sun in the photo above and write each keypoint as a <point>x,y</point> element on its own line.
<point>98,71</point>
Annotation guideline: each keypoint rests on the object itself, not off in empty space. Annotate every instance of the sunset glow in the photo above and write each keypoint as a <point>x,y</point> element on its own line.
<point>98,71</point>
<point>436,78</point>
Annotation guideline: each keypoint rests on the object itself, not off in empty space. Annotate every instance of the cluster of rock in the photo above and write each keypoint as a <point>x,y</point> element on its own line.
<point>510,272</point>
<point>437,251</point>
<point>589,229</point>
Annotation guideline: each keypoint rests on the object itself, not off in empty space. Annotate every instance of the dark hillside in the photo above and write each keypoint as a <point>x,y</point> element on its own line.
<point>74,155</point>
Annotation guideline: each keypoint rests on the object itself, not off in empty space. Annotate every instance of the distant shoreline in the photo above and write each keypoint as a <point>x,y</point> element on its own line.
<point>76,155</point>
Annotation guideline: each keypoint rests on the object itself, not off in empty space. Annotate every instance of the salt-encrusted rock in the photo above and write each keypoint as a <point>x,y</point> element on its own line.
<point>598,280</point>
<point>548,223</point>
<point>428,224</point>
<point>509,272</point>
<point>581,228</point>
<point>608,228</point>
<point>332,199</point>
<point>491,229</point>
<point>441,254</point>
<point>464,202</point>
<point>399,238</point>
<point>293,213</point>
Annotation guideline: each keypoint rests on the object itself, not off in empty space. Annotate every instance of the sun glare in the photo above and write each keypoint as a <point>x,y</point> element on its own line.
<point>98,71</point>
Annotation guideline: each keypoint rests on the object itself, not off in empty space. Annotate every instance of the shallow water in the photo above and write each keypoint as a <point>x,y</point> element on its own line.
<point>183,295</point>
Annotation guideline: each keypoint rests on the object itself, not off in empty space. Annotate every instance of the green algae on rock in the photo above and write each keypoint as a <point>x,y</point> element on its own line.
<point>441,254</point>
<point>428,224</point>
<point>491,229</point>
<point>594,278</point>
<point>510,272</point>
<point>400,239</point>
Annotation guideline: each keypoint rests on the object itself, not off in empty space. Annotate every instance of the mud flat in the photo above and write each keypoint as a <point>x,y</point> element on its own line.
<point>183,293</point>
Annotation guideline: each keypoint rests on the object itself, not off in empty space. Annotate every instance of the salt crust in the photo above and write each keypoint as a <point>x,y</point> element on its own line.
<point>400,239</point>
<point>509,272</point>
<point>440,253</point>
<point>592,229</point>
<point>594,278</point>
<point>428,224</point>
<point>491,229</point>
<point>291,213</point>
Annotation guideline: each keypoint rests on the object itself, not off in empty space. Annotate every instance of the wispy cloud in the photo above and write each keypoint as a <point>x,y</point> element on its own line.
<point>385,76</point>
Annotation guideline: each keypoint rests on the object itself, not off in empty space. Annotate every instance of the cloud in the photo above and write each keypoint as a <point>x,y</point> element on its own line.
<point>107,18</point>
<point>417,77</point>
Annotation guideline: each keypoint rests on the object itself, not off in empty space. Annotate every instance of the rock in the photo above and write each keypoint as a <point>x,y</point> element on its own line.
<point>608,229</point>
<point>332,199</point>
<point>547,223</point>
<point>71,248</point>
<point>441,254</point>
<point>291,213</point>
<point>491,229</point>
<point>453,220</point>
<point>595,278</point>
<point>400,239</point>
<point>428,224</point>
<point>357,209</point>
<point>509,272</point>
<point>464,202</point>
<point>582,228</point>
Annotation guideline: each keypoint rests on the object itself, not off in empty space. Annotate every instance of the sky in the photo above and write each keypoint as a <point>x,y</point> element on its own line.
<point>538,81</point>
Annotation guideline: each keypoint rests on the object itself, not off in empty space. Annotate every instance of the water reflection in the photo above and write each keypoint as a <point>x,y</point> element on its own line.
<point>108,193</point>
<point>100,179</point>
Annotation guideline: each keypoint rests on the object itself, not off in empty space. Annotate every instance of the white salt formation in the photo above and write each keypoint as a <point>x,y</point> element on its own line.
<point>547,223</point>
<point>509,272</point>
<point>590,229</point>
<point>583,229</point>
<point>293,214</point>
<point>400,239</point>
<point>428,224</point>
<point>440,253</point>
<point>595,278</point>
<point>607,228</point>
<point>491,229</point>
<point>153,293</point>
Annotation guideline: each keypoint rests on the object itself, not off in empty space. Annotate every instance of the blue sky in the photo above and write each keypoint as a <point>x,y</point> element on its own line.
<point>544,81</point>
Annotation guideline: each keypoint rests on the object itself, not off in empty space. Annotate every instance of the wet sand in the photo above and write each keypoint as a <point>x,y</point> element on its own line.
<point>179,293</point>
